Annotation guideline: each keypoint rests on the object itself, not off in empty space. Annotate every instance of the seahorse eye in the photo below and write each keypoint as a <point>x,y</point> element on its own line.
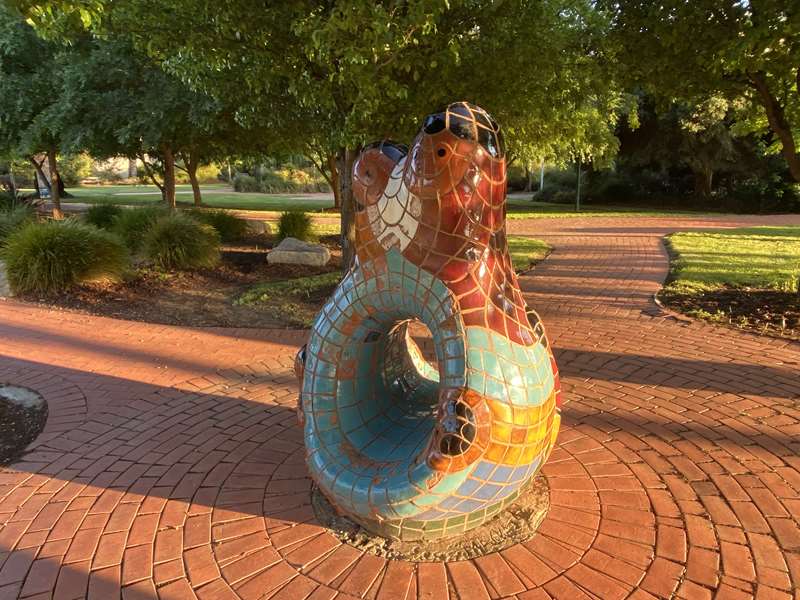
<point>441,152</point>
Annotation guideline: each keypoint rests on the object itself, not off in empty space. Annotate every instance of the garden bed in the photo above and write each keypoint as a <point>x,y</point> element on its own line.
<point>23,414</point>
<point>200,298</point>
<point>743,278</point>
<point>767,312</point>
<point>243,291</point>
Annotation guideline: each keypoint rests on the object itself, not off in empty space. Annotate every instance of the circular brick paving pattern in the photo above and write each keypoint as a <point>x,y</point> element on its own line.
<point>172,466</point>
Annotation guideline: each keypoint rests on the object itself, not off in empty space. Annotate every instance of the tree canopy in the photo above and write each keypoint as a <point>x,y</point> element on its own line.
<point>742,51</point>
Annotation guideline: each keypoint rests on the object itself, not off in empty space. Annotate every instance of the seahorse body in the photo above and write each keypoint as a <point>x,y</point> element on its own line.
<point>408,449</point>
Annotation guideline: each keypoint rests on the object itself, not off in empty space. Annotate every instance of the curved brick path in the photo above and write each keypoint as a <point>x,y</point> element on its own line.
<point>171,465</point>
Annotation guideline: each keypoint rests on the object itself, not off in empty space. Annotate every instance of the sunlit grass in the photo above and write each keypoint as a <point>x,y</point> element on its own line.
<point>758,257</point>
<point>222,196</point>
<point>215,196</point>
<point>521,208</point>
<point>526,251</point>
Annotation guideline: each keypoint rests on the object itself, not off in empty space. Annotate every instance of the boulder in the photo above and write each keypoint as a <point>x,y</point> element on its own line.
<point>292,251</point>
<point>5,289</point>
<point>260,227</point>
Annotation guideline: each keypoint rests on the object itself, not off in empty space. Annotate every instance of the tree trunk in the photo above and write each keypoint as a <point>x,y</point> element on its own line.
<point>55,183</point>
<point>703,183</point>
<point>776,117</point>
<point>41,177</point>
<point>191,170</point>
<point>528,179</point>
<point>345,158</point>
<point>337,198</point>
<point>168,193</point>
<point>62,189</point>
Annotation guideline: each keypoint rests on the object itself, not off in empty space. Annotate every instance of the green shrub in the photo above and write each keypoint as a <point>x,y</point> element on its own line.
<point>205,174</point>
<point>133,223</point>
<point>55,255</point>
<point>564,197</point>
<point>74,167</point>
<point>243,182</point>
<point>286,180</point>
<point>228,225</point>
<point>296,224</point>
<point>6,200</point>
<point>13,219</point>
<point>180,242</point>
<point>103,215</point>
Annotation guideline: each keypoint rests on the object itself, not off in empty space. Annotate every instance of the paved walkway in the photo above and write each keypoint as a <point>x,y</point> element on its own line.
<point>172,467</point>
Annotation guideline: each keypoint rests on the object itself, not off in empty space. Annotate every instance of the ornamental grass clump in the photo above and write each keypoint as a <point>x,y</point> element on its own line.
<point>178,241</point>
<point>228,225</point>
<point>103,215</point>
<point>132,224</point>
<point>13,219</point>
<point>50,257</point>
<point>296,224</point>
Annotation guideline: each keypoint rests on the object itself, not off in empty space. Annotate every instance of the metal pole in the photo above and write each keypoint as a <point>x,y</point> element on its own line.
<point>13,184</point>
<point>541,177</point>
<point>578,196</point>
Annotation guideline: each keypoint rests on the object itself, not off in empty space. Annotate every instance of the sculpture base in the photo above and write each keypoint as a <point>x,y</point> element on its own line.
<point>516,523</point>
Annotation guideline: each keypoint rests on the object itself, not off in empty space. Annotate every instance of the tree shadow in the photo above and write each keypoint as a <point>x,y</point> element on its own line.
<point>737,378</point>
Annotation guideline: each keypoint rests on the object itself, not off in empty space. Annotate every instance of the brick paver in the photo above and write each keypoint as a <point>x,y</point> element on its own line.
<point>172,467</point>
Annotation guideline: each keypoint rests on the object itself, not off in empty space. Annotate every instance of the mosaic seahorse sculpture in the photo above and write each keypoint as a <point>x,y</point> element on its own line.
<point>409,450</point>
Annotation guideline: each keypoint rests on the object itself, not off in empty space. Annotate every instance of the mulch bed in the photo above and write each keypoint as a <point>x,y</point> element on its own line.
<point>766,312</point>
<point>20,423</point>
<point>201,298</point>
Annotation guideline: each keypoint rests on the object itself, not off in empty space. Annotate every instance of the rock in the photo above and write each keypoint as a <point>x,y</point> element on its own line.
<point>260,227</point>
<point>292,251</point>
<point>5,289</point>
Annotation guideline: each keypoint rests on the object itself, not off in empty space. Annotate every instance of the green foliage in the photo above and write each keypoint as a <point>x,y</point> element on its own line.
<point>296,224</point>
<point>767,194</point>
<point>287,180</point>
<point>205,174</point>
<point>75,167</point>
<point>743,52</point>
<point>761,257</point>
<point>178,241</point>
<point>324,76</point>
<point>53,256</point>
<point>299,288</point>
<point>103,215</point>
<point>7,200</point>
<point>133,223</point>
<point>29,110</point>
<point>12,219</point>
<point>294,301</point>
<point>229,227</point>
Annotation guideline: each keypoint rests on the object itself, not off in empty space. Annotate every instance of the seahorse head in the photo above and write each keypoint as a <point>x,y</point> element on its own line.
<point>447,192</point>
<point>458,158</point>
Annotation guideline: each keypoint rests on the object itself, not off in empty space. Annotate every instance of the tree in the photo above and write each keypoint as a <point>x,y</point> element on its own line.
<point>30,104</point>
<point>741,51</point>
<point>123,103</point>
<point>333,75</point>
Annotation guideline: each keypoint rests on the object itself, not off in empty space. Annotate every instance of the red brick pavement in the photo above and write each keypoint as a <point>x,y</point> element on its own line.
<point>171,465</point>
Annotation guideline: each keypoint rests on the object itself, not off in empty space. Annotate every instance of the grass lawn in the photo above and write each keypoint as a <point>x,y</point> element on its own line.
<point>760,257</point>
<point>214,195</point>
<point>523,208</point>
<point>220,195</point>
<point>744,278</point>
<point>525,251</point>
